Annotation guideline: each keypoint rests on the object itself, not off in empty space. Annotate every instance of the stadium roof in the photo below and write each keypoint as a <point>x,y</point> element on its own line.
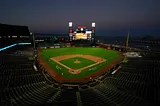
<point>13,30</point>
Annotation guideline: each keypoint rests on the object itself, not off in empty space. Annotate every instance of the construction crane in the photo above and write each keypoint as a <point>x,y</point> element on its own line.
<point>127,40</point>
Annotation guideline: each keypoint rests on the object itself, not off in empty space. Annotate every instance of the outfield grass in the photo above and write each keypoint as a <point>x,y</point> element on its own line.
<point>109,55</point>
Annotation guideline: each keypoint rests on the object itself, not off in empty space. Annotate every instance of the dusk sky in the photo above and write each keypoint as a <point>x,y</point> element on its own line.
<point>52,16</point>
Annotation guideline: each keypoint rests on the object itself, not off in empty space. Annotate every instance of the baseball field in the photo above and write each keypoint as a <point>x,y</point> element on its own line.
<point>78,62</point>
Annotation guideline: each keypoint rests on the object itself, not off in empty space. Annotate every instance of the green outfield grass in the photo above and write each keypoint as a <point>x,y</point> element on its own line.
<point>109,55</point>
<point>83,62</point>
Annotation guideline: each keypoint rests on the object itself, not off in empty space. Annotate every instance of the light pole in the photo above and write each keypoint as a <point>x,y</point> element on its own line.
<point>70,31</point>
<point>93,30</point>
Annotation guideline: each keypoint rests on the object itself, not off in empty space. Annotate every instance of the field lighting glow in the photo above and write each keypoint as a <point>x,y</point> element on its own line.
<point>93,24</point>
<point>70,24</point>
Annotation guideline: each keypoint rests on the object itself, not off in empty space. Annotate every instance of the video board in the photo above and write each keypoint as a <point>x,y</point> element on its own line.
<point>81,36</point>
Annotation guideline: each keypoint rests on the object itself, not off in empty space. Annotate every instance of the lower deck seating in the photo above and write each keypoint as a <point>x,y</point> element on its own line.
<point>136,83</point>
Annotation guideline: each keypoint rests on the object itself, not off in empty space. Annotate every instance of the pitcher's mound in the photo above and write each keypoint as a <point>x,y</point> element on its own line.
<point>77,62</point>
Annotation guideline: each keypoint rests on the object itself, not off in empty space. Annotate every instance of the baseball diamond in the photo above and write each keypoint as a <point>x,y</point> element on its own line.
<point>78,62</point>
<point>97,60</point>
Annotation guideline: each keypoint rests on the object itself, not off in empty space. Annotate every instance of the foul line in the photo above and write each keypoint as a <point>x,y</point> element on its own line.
<point>91,65</point>
<point>80,68</point>
<point>62,64</point>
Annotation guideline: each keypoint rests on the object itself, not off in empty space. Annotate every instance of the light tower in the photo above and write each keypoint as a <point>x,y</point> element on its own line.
<point>93,31</point>
<point>33,39</point>
<point>127,40</point>
<point>70,31</point>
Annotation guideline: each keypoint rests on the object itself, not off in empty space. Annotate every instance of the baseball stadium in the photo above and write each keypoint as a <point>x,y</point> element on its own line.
<point>78,63</point>
<point>76,69</point>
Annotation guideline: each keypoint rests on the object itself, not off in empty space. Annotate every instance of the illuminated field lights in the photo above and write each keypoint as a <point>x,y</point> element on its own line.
<point>70,24</point>
<point>93,24</point>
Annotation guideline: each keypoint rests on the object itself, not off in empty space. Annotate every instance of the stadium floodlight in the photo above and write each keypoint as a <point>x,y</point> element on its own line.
<point>93,24</point>
<point>70,24</point>
<point>81,29</point>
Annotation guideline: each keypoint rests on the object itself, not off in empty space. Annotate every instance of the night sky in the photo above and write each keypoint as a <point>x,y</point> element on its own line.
<point>52,16</point>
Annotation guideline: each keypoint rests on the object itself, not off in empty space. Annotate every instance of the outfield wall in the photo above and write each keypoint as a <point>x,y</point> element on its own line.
<point>100,45</point>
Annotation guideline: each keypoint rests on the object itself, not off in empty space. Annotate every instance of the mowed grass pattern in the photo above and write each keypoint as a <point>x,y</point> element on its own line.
<point>109,55</point>
<point>83,62</point>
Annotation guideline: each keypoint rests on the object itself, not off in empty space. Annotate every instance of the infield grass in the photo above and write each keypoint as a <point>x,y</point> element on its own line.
<point>109,55</point>
<point>83,62</point>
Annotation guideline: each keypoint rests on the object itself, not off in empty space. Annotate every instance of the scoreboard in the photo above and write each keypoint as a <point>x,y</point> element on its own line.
<point>81,32</point>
